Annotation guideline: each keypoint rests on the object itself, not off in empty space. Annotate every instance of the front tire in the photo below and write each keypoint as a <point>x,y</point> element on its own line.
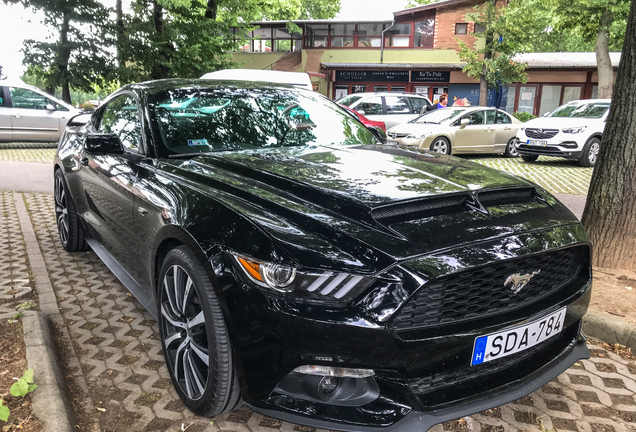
<point>194,336</point>
<point>68,224</point>
<point>511,149</point>
<point>529,158</point>
<point>441,145</point>
<point>590,152</point>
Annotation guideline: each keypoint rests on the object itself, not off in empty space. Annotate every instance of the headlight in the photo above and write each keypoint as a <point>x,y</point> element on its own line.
<point>310,285</point>
<point>574,130</point>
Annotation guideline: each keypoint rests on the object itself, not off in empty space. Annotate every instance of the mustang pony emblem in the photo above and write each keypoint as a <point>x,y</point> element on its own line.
<point>519,281</point>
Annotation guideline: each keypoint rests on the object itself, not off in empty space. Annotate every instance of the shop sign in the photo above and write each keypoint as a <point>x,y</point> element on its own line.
<point>430,76</point>
<point>372,76</point>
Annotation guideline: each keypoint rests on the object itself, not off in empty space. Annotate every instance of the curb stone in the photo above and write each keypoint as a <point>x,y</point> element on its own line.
<point>608,328</point>
<point>50,403</point>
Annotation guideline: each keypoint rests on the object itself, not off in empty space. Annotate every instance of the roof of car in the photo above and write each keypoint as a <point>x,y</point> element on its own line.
<point>155,86</point>
<point>387,93</point>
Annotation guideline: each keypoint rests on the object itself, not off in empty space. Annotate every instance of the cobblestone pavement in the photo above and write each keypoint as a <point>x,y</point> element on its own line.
<point>121,360</point>
<point>38,155</point>
<point>557,175</point>
<point>15,279</point>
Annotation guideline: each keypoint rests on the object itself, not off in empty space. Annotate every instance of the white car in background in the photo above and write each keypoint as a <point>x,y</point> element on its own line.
<point>392,108</point>
<point>30,114</point>
<point>572,131</point>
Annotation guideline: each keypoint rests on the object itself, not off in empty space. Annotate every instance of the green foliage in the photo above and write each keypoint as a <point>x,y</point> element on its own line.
<point>24,385</point>
<point>496,66</point>
<point>4,412</point>
<point>523,116</point>
<point>416,3</point>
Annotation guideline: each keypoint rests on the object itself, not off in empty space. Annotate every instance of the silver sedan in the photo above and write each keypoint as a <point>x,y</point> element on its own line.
<point>456,130</point>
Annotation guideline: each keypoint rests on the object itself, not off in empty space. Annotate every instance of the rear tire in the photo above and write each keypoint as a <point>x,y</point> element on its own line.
<point>529,158</point>
<point>441,145</point>
<point>68,224</point>
<point>511,149</point>
<point>194,337</point>
<point>590,152</point>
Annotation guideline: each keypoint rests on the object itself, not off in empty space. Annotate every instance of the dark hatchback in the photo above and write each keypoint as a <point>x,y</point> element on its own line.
<point>298,266</point>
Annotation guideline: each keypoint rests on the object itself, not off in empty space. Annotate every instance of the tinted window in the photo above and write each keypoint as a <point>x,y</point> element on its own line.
<point>490,117</point>
<point>585,110</point>
<point>205,120</point>
<point>503,118</point>
<point>418,104</point>
<point>397,105</point>
<point>121,118</point>
<point>371,106</point>
<point>3,103</point>
<point>348,100</point>
<point>23,98</point>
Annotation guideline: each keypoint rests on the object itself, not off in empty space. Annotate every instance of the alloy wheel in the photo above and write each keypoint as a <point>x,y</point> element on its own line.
<point>440,146</point>
<point>61,210</point>
<point>512,148</point>
<point>184,331</point>
<point>594,150</point>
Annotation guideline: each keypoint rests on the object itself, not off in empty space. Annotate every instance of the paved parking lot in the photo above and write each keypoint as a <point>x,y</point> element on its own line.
<point>117,345</point>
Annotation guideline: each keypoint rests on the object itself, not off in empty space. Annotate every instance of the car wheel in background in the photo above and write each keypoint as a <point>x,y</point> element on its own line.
<point>441,145</point>
<point>511,148</point>
<point>590,152</point>
<point>194,336</point>
<point>68,224</point>
<point>529,158</point>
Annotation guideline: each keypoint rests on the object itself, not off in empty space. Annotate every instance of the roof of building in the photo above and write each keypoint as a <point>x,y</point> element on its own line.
<point>559,60</point>
<point>325,21</point>
<point>435,5</point>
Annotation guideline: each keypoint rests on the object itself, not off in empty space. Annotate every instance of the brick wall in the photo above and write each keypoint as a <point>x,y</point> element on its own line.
<point>445,21</point>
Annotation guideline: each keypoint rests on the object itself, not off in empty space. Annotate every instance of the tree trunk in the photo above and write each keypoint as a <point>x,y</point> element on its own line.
<point>119,32</point>
<point>161,68</point>
<point>63,58</point>
<point>211,10</point>
<point>610,211</point>
<point>483,84</point>
<point>604,64</point>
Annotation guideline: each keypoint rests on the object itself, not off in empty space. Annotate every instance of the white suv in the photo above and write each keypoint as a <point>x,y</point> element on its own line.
<point>572,131</point>
<point>392,108</point>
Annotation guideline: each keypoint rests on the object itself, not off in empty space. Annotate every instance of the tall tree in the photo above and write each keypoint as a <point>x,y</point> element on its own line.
<point>493,64</point>
<point>610,211</point>
<point>600,21</point>
<point>78,55</point>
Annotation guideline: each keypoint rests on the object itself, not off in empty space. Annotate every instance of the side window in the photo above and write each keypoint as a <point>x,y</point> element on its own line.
<point>57,105</point>
<point>372,106</point>
<point>3,103</point>
<point>121,117</point>
<point>24,98</point>
<point>503,118</point>
<point>397,105</point>
<point>418,104</point>
<point>490,117</point>
<point>476,117</point>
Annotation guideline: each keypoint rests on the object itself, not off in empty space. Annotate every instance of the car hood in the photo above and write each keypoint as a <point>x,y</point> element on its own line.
<point>560,122</point>
<point>384,200</point>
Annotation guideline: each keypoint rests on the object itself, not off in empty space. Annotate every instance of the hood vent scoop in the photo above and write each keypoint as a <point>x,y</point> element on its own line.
<point>427,207</point>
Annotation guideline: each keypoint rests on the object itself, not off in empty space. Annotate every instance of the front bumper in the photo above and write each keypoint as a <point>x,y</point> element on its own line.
<point>561,145</point>
<point>272,337</point>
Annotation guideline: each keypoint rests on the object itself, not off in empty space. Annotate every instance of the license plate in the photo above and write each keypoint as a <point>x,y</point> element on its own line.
<point>537,143</point>
<point>392,142</point>
<point>498,345</point>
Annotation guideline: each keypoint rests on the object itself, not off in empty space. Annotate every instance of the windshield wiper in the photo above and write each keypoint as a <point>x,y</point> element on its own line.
<point>186,155</point>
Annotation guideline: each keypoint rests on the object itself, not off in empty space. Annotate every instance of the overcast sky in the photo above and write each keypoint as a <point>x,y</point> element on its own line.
<point>18,24</point>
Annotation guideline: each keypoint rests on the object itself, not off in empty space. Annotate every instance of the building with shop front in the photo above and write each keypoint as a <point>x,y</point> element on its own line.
<point>415,51</point>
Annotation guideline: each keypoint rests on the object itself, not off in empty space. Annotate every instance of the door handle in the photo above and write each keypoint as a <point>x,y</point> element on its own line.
<point>84,161</point>
<point>142,211</point>
<point>16,115</point>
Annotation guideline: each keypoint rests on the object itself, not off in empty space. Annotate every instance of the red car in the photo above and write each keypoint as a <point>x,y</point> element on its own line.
<point>365,121</point>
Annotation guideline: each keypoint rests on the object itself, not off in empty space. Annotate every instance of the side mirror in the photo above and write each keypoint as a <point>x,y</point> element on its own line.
<point>49,107</point>
<point>546,114</point>
<point>360,112</point>
<point>464,122</point>
<point>378,132</point>
<point>103,144</point>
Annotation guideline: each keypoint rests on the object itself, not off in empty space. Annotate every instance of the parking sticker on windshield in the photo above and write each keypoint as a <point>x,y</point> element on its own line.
<point>198,142</point>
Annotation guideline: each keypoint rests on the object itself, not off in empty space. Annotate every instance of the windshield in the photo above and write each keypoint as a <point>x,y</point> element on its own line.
<point>438,116</point>
<point>192,120</point>
<point>583,110</point>
<point>348,100</point>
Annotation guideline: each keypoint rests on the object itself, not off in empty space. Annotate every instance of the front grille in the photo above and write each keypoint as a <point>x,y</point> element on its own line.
<point>480,293</point>
<point>397,135</point>
<point>541,133</point>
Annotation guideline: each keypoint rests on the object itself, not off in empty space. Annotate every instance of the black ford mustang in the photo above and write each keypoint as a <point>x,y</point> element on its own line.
<point>296,264</point>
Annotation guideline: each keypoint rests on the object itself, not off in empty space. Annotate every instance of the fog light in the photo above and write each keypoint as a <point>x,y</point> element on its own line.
<point>327,385</point>
<point>334,371</point>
